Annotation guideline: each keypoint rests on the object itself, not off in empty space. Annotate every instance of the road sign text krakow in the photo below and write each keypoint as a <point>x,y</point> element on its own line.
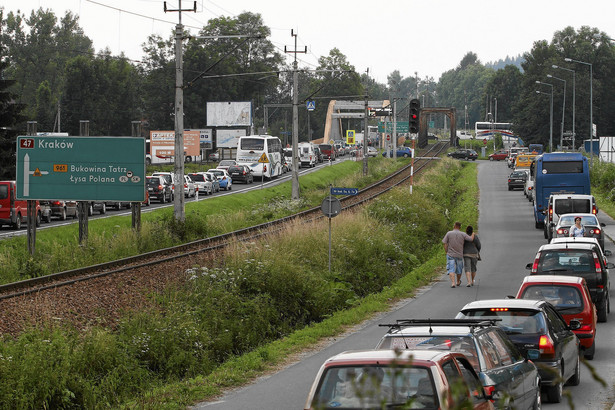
<point>81,168</point>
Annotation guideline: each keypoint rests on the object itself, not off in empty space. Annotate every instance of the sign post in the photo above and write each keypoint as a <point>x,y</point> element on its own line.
<point>331,207</point>
<point>263,160</point>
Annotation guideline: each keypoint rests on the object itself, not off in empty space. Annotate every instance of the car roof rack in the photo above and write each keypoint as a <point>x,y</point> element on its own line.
<point>472,323</point>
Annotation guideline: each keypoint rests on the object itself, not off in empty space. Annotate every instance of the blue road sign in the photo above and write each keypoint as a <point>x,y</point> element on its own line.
<point>311,105</point>
<point>344,191</point>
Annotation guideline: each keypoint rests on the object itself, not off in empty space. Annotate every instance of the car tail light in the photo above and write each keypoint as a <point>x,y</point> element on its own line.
<point>185,185</point>
<point>489,391</point>
<point>546,346</point>
<point>529,188</point>
<point>244,172</point>
<point>499,309</point>
<point>551,210</point>
<point>56,203</point>
<point>535,264</point>
<point>594,210</point>
<point>585,328</point>
<point>160,187</point>
<point>597,263</point>
<point>508,179</point>
<point>264,167</point>
<point>560,231</point>
<point>594,231</point>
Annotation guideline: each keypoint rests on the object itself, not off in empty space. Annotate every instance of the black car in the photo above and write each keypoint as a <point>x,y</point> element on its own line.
<point>159,189</point>
<point>517,180</point>
<point>585,260</point>
<point>468,154</point>
<point>503,371</point>
<point>241,173</point>
<point>538,329</point>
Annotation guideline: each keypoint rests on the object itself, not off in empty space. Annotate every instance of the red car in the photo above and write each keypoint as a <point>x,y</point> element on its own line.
<point>498,156</point>
<point>570,297</point>
<point>416,379</point>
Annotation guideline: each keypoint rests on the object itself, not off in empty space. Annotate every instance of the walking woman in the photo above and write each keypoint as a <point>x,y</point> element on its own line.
<point>471,255</point>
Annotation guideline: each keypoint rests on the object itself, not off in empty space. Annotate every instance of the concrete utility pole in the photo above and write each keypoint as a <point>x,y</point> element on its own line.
<point>179,211</point>
<point>295,176</point>
<point>366,132</point>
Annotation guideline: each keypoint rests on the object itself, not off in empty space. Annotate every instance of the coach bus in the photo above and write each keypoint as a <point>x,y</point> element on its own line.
<point>487,130</point>
<point>262,153</point>
<point>558,173</point>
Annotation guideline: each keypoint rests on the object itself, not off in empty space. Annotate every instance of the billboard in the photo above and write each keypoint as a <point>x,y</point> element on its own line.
<point>81,168</point>
<point>229,114</point>
<point>164,142</point>
<point>228,138</point>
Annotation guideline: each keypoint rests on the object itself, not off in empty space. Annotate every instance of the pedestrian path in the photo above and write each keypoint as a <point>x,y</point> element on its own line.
<point>609,229</point>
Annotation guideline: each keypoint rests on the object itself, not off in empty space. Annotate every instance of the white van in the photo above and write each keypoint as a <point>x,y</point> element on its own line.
<point>307,156</point>
<point>567,204</point>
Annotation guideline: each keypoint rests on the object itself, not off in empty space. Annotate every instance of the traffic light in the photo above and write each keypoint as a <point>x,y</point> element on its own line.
<point>413,122</point>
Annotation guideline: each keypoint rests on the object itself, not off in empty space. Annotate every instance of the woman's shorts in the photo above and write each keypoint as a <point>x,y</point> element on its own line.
<point>470,264</point>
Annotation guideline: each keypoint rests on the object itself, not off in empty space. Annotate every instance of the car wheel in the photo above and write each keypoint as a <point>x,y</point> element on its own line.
<point>38,219</point>
<point>554,393</point>
<point>163,199</point>
<point>589,353</point>
<point>63,214</point>
<point>90,210</point>
<point>490,158</point>
<point>575,380</point>
<point>538,400</point>
<point>509,188</point>
<point>228,188</point>
<point>17,224</point>
<point>539,225</point>
<point>602,310</point>
<point>47,218</point>
<point>103,209</point>
<point>405,155</point>
<point>118,206</point>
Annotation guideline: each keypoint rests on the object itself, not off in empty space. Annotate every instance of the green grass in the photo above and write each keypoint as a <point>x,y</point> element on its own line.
<point>232,322</point>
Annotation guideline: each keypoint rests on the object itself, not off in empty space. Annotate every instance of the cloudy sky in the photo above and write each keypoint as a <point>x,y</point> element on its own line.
<point>426,37</point>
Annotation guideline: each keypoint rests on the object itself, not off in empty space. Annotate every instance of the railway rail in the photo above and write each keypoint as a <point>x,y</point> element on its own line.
<point>108,286</point>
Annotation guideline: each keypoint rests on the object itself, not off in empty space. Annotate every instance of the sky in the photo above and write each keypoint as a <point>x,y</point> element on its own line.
<point>423,38</point>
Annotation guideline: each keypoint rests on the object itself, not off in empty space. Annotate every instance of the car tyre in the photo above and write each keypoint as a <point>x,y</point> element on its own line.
<point>490,158</point>
<point>103,209</point>
<point>63,214</point>
<point>602,309</point>
<point>47,218</point>
<point>228,188</point>
<point>538,400</point>
<point>163,199</point>
<point>38,219</point>
<point>554,393</point>
<point>90,210</point>
<point>575,380</point>
<point>405,155</point>
<point>17,224</point>
<point>589,353</point>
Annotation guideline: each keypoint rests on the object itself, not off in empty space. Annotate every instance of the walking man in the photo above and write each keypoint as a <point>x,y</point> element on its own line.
<point>453,246</point>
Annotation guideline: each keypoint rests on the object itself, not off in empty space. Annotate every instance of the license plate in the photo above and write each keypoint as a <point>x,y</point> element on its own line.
<point>235,173</point>
<point>150,189</point>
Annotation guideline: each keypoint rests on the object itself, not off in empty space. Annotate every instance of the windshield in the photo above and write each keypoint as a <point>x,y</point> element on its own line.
<point>252,144</point>
<point>367,387</point>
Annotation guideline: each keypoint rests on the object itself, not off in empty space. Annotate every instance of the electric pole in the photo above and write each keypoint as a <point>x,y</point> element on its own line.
<point>295,176</point>
<point>179,211</point>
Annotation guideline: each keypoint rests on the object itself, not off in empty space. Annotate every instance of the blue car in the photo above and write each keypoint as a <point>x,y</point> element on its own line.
<point>402,152</point>
<point>225,180</point>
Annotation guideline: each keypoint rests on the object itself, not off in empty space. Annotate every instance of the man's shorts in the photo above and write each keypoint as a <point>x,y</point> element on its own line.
<point>454,265</point>
<point>470,264</point>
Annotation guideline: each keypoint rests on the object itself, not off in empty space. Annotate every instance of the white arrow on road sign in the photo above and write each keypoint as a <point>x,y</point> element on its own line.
<point>27,173</point>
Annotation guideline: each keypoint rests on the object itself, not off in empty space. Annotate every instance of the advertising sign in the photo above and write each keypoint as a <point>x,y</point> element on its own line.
<point>228,138</point>
<point>164,142</point>
<point>229,114</point>
<point>81,168</point>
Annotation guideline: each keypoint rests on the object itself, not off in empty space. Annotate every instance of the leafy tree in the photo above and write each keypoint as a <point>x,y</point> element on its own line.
<point>10,116</point>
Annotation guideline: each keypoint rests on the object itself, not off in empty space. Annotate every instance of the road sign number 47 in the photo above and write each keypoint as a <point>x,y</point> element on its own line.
<point>26,143</point>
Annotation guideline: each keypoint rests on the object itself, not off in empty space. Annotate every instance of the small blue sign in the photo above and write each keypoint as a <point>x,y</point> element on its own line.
<point>311,105</point>
<point>344,191</point>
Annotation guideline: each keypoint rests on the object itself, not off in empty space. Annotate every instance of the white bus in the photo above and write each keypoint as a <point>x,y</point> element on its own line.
<point>251,148</point>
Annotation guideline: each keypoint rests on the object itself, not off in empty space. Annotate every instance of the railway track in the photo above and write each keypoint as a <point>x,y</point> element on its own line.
<point>110,285</point>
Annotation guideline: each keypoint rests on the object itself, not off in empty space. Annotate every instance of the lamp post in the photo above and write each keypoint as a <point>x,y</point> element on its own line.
<point>573,102</point>
<point>551,114</point>
<point>591,108</point>
<point>561,138</point>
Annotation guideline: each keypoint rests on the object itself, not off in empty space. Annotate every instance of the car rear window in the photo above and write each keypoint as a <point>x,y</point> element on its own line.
<point>585,220</point>
<point>325,147</point>
<point>563,297</point>
<point>568,206</point>
<point>577,260</point>
<point>197,177</point>
<point>519,174</point>
<point>235,168</point>
<point>153,181</point>
<point>513,321</point>
<point>4,191</point>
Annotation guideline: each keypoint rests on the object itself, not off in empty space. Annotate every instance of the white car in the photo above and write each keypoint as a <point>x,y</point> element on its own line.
<point>189,187</point>
<point>372,152</point>
<point>204,186</point>
<point>225,163</point>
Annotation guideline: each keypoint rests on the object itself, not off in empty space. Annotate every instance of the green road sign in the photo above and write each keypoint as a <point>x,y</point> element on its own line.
<point>402,126</point>
<point>81,168</point>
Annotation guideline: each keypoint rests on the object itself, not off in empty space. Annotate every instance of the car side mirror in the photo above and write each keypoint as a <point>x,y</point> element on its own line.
<point>607,252</point>
<point>610,265</point>
<point>574,324</point>
<point>528,266</point>
<point>602,224</point>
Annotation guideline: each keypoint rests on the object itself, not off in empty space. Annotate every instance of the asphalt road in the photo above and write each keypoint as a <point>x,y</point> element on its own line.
<point>509,239</point>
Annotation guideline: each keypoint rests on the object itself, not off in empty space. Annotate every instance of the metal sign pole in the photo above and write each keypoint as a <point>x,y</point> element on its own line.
<point>330,200</point>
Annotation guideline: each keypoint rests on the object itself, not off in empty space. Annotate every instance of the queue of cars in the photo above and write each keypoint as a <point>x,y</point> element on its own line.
<point>520,349</point>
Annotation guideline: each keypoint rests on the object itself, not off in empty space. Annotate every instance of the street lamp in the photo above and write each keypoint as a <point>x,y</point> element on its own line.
<point>551,114</point>
<point>573,102</point>
<point>561,138</point>
<point>591,108</point>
